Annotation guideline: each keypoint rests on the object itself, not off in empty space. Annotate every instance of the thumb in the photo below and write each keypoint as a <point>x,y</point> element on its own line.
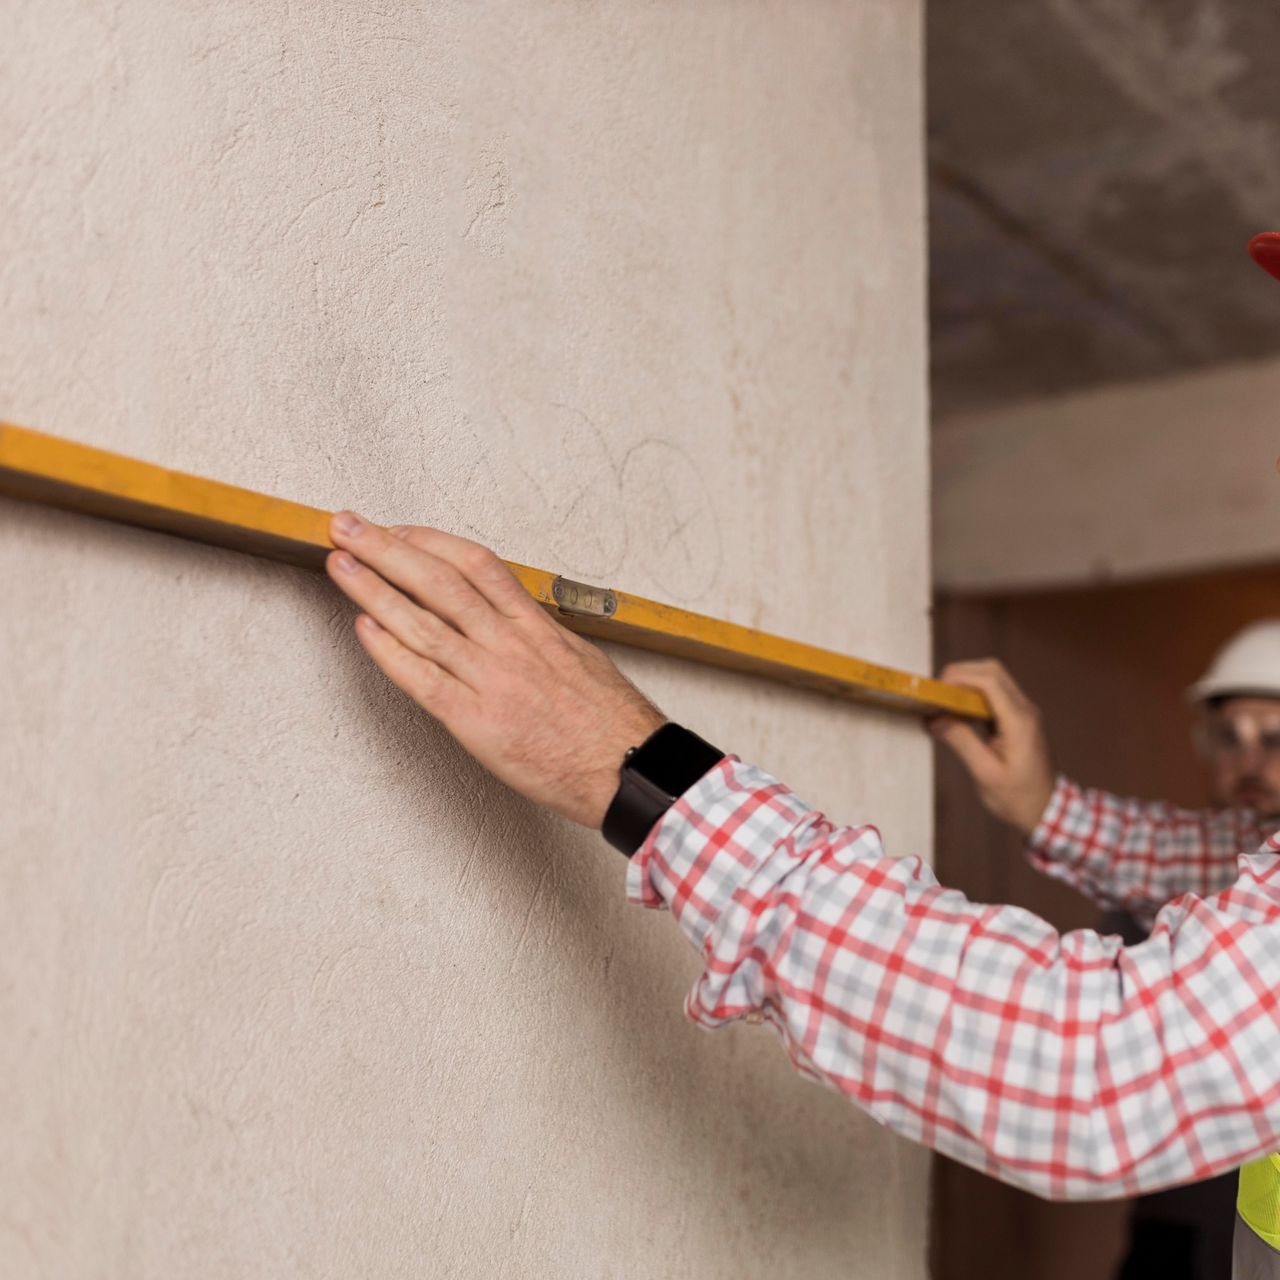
<point>976,756</point>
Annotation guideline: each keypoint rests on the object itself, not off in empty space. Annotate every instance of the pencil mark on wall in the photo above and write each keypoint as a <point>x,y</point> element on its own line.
<point>586,508</point>
<point>671,511</point>
<point>590,520</point>
<point>470,496</point>
<point>572,493</point>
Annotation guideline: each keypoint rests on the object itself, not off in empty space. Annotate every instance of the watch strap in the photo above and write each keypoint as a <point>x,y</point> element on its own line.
<point>653,777</point>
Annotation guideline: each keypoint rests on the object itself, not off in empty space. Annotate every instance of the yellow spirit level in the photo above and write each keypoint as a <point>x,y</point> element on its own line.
<point>47,469</point>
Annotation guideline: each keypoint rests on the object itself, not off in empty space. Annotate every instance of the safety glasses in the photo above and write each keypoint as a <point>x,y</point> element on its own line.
<point>1238,737</point>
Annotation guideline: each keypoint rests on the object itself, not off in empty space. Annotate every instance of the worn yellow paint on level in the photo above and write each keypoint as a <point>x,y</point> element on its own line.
<point>77,477</point>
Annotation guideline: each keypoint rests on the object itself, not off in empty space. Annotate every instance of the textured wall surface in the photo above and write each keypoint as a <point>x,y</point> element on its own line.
<point>631,290</point>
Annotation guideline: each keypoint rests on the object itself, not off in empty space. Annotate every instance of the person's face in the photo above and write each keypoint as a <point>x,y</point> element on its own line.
<point>1240,739</point>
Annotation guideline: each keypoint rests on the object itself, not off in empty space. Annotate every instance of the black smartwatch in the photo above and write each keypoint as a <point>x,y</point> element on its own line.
<point>654,776</point>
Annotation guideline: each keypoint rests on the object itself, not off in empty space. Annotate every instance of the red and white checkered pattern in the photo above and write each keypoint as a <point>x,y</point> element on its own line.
<point>1067,1064</point>
<point>1136,854</point>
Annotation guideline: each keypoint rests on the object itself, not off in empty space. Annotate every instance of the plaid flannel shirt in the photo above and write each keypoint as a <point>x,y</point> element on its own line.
<point>1135,854</point>
<point>1067,1064</point>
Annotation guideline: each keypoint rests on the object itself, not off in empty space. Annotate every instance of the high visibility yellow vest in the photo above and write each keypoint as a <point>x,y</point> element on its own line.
<point>1256,1247</point>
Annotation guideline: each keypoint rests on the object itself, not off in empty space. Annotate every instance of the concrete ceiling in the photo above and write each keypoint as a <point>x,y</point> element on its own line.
<point>1096,169</point>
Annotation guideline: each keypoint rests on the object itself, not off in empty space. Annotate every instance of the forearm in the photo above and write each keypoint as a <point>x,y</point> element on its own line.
<point>1137,855</point>
<point>1066,1065</point>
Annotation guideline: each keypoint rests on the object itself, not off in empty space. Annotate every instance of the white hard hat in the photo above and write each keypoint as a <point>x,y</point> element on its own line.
<point>1249,663</point>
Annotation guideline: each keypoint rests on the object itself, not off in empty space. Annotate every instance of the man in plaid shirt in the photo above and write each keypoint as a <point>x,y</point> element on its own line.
<point>1132,857</point>
<point>1068,1064</point>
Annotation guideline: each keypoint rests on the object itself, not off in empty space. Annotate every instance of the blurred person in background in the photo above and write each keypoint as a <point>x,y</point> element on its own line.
<point>1132,856</point>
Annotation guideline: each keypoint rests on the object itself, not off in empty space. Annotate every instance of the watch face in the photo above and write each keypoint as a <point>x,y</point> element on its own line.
<point>673,759</point>
<point>653,775</point>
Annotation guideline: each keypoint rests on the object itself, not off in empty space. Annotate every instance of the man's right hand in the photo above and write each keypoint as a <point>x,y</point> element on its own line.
<point>541,708</point>
<point>1011,768</point>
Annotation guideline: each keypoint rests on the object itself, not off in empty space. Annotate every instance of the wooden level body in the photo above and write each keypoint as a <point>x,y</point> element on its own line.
<point>79,478</point>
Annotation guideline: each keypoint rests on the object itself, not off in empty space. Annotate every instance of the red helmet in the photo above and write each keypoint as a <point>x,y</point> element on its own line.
<point>1265,249</point>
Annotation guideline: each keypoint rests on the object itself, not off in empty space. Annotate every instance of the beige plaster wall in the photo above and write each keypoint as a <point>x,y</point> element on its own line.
<point>632,290</point>
<point>1175,475</point>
